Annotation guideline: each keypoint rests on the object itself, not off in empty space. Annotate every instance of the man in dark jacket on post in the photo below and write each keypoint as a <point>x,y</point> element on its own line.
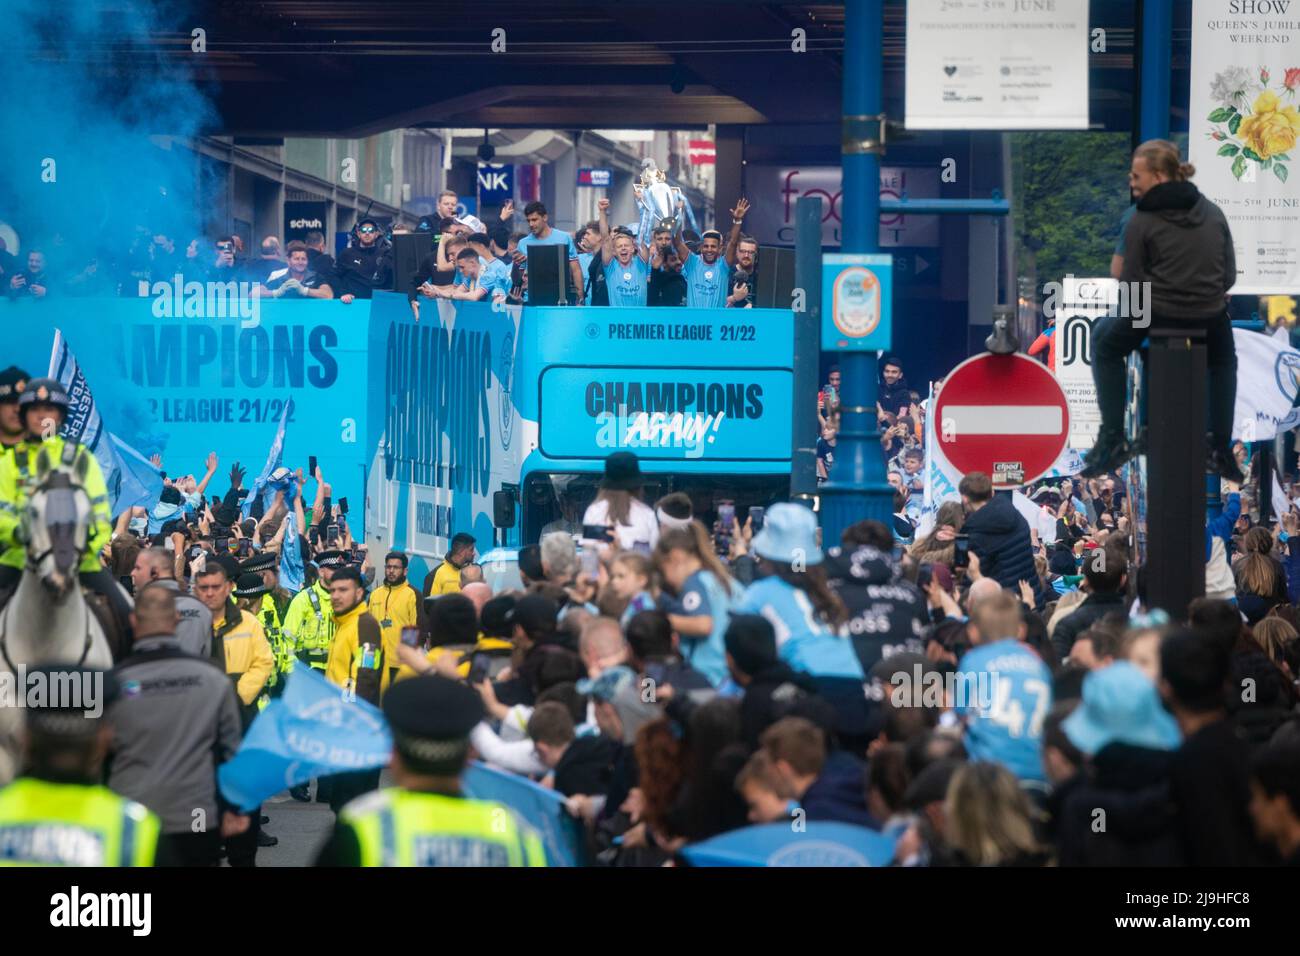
<point>1106,572</point>
<point>1179,247</point>
<point>999,535</point>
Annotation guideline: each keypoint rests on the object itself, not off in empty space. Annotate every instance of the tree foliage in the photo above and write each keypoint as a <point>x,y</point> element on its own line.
<point>1070,190</point>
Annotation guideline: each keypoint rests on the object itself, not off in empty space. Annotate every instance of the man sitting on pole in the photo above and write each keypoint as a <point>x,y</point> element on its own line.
<point>1178,267</point>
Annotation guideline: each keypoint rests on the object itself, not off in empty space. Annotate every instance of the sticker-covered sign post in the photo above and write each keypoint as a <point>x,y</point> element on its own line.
<point>857,294</point>
<point>1004,415</point>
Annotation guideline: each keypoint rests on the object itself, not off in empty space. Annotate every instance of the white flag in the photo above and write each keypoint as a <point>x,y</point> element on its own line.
<point>1267,367</point>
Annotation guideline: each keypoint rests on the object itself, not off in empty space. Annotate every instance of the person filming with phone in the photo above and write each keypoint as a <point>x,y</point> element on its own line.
<point>618,505</point>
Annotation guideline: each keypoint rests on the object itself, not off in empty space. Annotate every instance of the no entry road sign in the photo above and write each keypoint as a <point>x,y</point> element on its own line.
<point>1004,415</point>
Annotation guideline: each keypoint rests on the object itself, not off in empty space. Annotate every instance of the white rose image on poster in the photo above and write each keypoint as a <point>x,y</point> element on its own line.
<point>1255,122</point>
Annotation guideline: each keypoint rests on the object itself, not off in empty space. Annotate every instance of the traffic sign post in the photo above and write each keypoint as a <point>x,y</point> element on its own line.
<point>1004,415</point>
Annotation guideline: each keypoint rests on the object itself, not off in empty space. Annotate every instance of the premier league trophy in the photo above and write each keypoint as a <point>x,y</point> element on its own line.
<point>658,201</point>
<point>657,198</point>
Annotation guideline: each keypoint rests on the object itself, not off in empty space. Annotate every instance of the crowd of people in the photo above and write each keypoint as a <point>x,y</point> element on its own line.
<point>470,260</point>
<point>979,696</point>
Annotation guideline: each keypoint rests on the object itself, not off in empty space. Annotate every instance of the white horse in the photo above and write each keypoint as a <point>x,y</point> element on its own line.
<point>47,621</point>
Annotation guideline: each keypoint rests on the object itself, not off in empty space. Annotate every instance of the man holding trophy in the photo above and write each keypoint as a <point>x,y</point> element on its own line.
<point>708,272</point>
<point>627,268</point>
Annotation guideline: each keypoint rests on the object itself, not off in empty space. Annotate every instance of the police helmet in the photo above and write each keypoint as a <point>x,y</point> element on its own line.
<point>44,391</point>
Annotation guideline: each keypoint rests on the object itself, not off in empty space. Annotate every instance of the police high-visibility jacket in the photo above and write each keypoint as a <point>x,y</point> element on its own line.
<point>357,655</point>
<point>67,824</point>
<point>310,622</point>
<point>17,475</point>
<point>239,645</point>
<point>397,827</point>
<point>394,606</point>
<point>270,615</point>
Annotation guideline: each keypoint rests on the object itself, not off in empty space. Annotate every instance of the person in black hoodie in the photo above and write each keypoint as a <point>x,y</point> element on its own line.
<point>1105,570</point>
<point>999,534</point>
<point>772,689</point>
<point>365,265</point>
<point>1120,813</point>
<point>1209,774</point>
<point>1177,245</point>
<point>894,396</point>
<point>886,616</point>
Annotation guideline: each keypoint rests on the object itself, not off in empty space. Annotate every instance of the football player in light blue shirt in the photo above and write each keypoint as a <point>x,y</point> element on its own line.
<point>540,233</point>
<point>493,274</point>
<point>627,269</point>
<point>475,281</point>
<point>708,272</point>
<point>1003,691</point>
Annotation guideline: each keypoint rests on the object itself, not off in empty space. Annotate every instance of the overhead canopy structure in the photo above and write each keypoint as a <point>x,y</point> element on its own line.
<point>357,67</point>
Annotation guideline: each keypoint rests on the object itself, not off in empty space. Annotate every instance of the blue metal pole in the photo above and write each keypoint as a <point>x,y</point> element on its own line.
<point>857,489</point>
<point>1157,27</point>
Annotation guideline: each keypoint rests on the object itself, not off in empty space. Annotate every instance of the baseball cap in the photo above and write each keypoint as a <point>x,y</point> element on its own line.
<point>536,614</point>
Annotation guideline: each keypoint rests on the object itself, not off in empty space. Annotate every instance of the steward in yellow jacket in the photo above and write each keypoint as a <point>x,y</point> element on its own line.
<point>356,661</point>
<point>395,605</point>
<point>239,645</point>
<point>454,629</point>
<point>445,579</point>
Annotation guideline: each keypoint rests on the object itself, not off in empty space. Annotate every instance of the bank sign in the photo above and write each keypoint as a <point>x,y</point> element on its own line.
<point>663,414</point>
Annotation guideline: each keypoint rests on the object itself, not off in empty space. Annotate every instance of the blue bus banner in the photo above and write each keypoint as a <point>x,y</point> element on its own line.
<point>666,413</point>
<point>181,375</point>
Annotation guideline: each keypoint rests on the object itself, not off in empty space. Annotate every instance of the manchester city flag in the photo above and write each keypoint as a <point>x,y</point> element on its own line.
<point>543,809</point>
<point>130,478</point>
<point>310,731</point>
<point>779,844</point>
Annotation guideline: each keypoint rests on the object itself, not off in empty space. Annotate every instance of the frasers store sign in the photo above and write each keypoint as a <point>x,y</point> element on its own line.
<point>775,190</point>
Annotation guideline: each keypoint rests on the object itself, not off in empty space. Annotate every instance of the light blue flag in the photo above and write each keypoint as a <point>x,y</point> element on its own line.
<point>543,809</point>
<point>777,844</point>
<point>292,575</point>
<point>140,484</point>
<point>312,730</point>
<point>273,459</point>
<point>127,484</point>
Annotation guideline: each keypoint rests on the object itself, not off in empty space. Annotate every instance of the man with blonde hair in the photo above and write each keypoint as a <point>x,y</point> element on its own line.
<point>1004,691</point>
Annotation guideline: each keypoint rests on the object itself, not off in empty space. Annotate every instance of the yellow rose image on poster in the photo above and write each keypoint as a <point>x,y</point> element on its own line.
<point>1263,131</point>
<point>1272,128</point>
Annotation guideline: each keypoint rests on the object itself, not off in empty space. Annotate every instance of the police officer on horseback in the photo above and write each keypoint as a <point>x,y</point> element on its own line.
<point>42,407</point>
